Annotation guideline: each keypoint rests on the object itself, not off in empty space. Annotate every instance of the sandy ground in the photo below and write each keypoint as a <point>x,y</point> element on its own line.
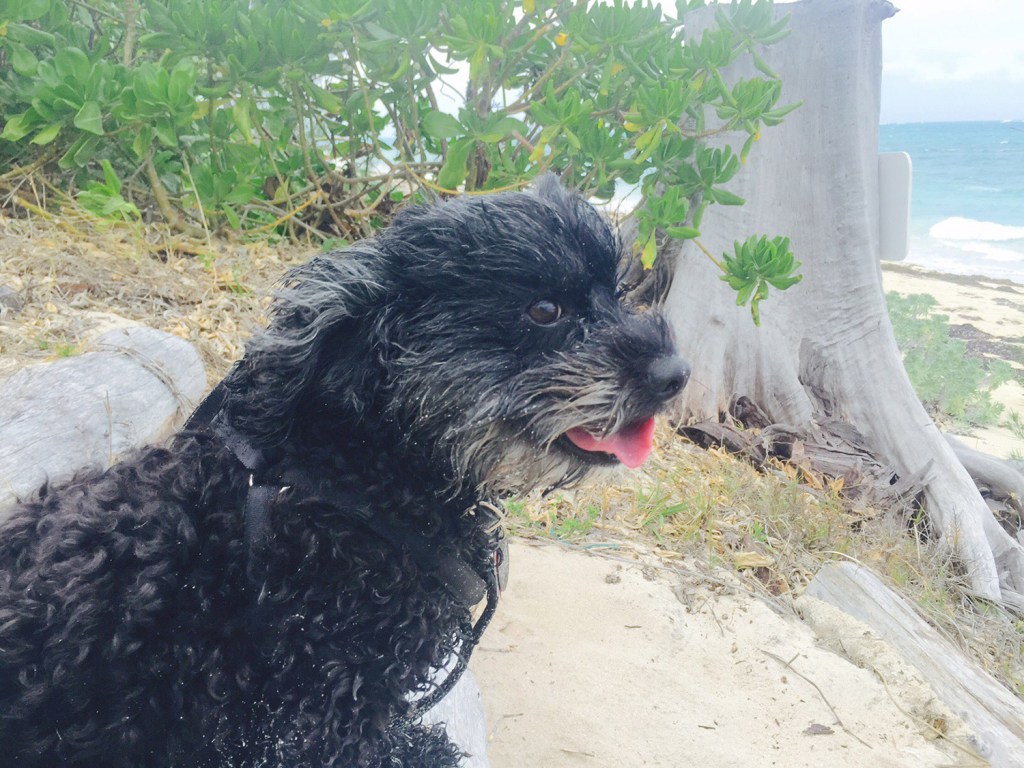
<point>601,663</point>
<point>597,661</point>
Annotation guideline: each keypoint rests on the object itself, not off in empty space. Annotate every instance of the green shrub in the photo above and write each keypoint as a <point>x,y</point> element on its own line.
<point>319,117</point>
<point>952,386</point>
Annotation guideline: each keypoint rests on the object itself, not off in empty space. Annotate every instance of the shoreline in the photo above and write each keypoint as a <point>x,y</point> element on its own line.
<point>973,280</point>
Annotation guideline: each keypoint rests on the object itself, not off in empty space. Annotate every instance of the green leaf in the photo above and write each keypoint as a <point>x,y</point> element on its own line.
<point>113,183</point>
<point>782,283</point>
<point>89,118</point>
<point>538,151</point>
<point>744,292</point>
<point>162,40</point>
<point>231,216</point>
<point>650,252</point>
<point>23,60</point>
<point>454,170</point>
<point>72,65</point>
<point>441,126</point>
<point>79,153</point>
<point>542,114</point>
<point>647,142</point>
<point>240,116</point>
<point>30,10</point>
<point>164,128</point>
<point>495,131</point>
<point>683,233</point>
<point>762,65</point>
<point>781,31</point>
<point>19,126</point>
<point>30,36</point>
<point>213,92</point>
<point>179,85</point>
<point>324,99</point>
<point>724,197</point>
<point>241,193</point>
<point>142,141</point>
<point>774,116</point>
<point>48,134</point>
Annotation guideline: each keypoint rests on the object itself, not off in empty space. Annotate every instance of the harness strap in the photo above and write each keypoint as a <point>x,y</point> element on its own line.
<point>206,412</point>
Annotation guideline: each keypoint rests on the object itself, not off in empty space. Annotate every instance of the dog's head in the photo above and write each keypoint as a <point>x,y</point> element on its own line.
<point>483,335</point>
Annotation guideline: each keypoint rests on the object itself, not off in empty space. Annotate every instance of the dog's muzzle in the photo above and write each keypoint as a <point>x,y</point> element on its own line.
<point>632,443</point>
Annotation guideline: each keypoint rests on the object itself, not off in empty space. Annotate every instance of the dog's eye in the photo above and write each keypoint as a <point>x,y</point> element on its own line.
<point>544,312</point>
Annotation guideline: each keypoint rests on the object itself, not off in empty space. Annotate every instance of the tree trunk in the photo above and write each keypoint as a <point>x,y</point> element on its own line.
<point>825,351</point>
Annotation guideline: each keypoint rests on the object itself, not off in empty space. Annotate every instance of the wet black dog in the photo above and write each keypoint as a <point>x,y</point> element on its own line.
<point>274,587</point>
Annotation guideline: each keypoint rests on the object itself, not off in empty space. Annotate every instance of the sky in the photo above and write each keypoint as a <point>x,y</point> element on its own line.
<point>952,60</point>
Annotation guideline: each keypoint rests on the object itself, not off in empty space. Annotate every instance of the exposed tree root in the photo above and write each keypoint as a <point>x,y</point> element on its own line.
<point>834,450</point>
<point>1000,482</point>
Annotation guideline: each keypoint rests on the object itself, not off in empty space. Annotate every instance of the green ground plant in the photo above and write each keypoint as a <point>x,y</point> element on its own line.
<point>555,517</point>
<point>954,388</point>
<point>318,118</point>
<point>57,345</point>
<point>1015,423</point>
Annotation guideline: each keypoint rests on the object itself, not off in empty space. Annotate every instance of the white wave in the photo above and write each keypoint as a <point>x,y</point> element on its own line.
<point>958,228</point>
<point>1002,261</point>
<point>991,252</point>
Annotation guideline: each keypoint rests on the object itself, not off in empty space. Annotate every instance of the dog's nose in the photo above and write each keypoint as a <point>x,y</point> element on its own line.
<point>667,376</point>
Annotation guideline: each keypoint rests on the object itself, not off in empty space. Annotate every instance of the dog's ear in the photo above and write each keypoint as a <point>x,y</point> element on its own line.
<point>549,187</point>
<point>598,241</point>
<point>314,355</point>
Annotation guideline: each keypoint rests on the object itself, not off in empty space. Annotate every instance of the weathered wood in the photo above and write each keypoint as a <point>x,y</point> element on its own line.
<point>994,714</point>
<point>825,353</point>
<point>829,448</point>
<point>135,387</point>
<point>1000,482</point>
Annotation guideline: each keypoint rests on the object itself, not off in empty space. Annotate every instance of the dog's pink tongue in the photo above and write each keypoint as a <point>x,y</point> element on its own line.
<point>631,445</point>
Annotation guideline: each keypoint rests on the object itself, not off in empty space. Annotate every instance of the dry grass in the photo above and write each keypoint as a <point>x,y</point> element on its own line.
<point>75,286</point>
<point>769,529</point>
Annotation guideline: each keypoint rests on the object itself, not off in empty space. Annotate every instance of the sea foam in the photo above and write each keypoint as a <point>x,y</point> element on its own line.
<point>958,228</point>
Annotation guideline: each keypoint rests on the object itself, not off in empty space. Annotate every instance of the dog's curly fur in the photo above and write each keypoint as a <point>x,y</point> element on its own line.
<point>436,366</point>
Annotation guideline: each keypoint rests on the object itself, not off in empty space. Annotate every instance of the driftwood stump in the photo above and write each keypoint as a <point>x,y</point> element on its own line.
<point>994,714</point>
<point>825,354</point>
<point>134,387</point>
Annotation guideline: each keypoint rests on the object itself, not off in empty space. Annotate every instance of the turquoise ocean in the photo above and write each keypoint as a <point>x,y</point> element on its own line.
<point>967,198</point>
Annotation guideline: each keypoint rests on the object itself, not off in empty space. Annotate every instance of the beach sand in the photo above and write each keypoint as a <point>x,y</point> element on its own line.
<point>595,662</point>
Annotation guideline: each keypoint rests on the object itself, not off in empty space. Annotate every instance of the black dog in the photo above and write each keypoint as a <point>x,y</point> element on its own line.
<point>274,587</point>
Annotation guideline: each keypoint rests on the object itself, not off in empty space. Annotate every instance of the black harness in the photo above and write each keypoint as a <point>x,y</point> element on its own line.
<point>460,579</point>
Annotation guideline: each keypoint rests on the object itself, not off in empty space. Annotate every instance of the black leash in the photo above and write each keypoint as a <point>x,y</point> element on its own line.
<point>420,706</point>
<point>459,578</point>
